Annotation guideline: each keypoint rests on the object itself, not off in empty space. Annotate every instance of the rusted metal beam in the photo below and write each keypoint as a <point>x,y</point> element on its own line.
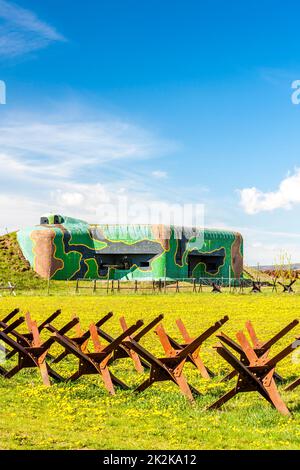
<point>255,374</point>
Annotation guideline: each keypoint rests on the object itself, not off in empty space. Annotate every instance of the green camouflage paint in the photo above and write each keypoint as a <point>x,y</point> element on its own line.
<point>75,249</point>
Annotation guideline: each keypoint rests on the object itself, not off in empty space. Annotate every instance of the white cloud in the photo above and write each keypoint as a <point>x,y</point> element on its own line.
<point>266,252</point>
<point>71,199</point>
<point>19,211</point>
<point>81,199</point>
<point>22,31</point>
<point>287,195</point>
<point>73,164</point>
<point>34,147</point>
<point>159,174</point>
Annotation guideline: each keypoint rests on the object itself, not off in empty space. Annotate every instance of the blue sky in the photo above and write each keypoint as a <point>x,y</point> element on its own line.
<point>176,101</point>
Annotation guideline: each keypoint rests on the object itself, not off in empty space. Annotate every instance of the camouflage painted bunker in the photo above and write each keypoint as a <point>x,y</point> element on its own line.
<point>66,248</point>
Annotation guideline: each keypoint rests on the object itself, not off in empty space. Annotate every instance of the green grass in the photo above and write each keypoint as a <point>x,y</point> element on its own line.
<point>83,416</point>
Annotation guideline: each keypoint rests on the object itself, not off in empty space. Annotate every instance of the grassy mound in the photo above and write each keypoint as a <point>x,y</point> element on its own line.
<point>255,274</point>
<point>14,267</point>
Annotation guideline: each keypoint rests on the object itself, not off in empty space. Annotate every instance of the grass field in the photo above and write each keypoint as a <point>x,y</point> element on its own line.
<point>83,416</point>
